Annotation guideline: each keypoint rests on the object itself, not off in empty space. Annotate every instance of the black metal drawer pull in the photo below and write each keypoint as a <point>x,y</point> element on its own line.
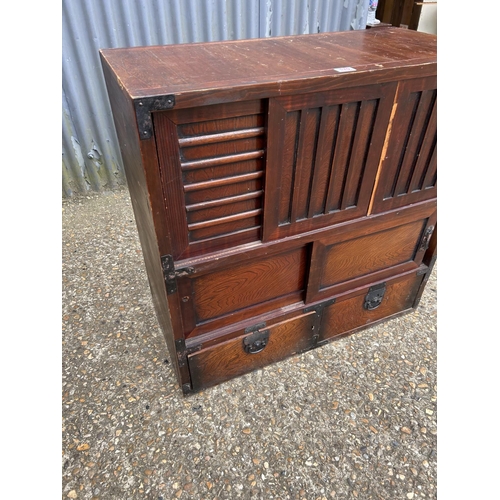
<point>374,296</point>
<point>256,342</point>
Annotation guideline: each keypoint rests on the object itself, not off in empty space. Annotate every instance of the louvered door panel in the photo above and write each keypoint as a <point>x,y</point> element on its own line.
<point>409,170</point>
<point>323,154</point>
<point>214,156</point>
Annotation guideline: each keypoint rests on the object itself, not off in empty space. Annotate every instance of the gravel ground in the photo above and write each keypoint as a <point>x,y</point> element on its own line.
<point>353,419</point>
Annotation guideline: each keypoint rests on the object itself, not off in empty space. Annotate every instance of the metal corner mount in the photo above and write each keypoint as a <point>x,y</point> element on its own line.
<point>143,108</point>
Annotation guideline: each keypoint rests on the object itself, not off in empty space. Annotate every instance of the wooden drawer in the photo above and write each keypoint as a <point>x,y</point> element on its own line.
<point>233,358</point>
<point>352,311</point>
<point>342,262</point>
<point>306,328</point>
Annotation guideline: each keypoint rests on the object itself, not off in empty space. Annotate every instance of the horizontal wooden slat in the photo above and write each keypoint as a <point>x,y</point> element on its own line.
<point>221,160</point>
<point>223,201</point>
<point>224,136</point>
<point>223,220</point>
<point>222,182</point>
<point>207,234</point>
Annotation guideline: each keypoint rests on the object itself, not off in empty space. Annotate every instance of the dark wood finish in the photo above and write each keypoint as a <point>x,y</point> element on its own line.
<point>408,171</point>
<point>324,157</point>
<point>229,359</point>
<point>272,189</point>
<point>348,314</point>
<point>262,68</point>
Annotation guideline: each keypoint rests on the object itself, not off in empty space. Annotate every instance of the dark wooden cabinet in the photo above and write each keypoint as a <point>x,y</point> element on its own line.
<point>284,188</point>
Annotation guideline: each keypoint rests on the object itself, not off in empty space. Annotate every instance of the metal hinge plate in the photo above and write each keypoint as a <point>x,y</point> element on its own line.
<point>143,108</point>
<point>426,238</point>
<point>170,274</point>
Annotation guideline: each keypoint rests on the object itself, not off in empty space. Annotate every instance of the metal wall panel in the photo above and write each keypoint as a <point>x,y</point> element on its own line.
<point>91,157</point>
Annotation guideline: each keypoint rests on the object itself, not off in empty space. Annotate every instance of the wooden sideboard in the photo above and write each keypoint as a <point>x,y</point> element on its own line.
<point>284,188</point>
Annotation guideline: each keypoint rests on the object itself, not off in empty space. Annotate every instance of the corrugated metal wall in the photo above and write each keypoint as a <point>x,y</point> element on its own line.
<point>91,157</point>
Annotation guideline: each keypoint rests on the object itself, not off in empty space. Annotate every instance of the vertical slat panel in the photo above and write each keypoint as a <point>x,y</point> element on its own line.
<point>430,176</point>
<point>425,152</point>
<point>400,135</point>
<point>360,147</point>
<point>326,143</point>
<point>305,154</point>
<point>417,134</point>
<point>341,156</point>
<point>290,144</point>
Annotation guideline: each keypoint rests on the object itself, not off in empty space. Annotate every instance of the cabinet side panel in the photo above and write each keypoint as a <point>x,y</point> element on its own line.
<point>142,190</point>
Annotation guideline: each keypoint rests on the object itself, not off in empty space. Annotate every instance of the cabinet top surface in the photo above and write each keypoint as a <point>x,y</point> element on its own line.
<point>209,68</point>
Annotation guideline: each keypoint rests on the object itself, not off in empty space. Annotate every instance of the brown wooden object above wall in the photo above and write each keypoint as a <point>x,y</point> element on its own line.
<point>284,189</point>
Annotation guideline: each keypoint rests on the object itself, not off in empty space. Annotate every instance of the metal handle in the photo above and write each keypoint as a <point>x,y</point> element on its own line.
<point>374,297</point>
<point>256,342</point>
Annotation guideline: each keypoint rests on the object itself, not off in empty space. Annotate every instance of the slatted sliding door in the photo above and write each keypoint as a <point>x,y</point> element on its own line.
<point>212,166</point>
<point>323,154</point>
<point>408,173</point>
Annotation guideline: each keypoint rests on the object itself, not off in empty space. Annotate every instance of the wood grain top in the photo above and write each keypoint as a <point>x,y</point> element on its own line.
<point>242,69</point>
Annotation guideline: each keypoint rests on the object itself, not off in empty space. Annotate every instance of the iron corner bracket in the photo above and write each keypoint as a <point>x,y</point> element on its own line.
<point>167,264</point>
<point>143,108</point>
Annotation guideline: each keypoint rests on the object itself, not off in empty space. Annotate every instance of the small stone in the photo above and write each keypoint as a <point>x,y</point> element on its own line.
<point>410,495</point>
<point>266,465</point>
<point>256,461</point>
<point>429,412</point>
<point>425,463</point>
<point>178,493</point>
<point>209,485</point>
<point>406,430</point>
<point>373,429</point>
<point>370,396</point>
<point>414,471</point>
<point>72,494</point>
<point>148,472</point>
<point>118,432</point>
<point>83,447</point>
<point>188,486</point>
<point>246,430</point>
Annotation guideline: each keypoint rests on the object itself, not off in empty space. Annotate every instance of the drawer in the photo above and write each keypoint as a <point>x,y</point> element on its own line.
<point>343,262</point>
<point>236,290</point>
<point>252,350</point>
<point>371,304</point>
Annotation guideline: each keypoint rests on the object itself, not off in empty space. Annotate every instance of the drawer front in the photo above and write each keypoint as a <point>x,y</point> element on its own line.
<point>339,264</point>
<point>239,290</point>
<point>233,358</point>
<point>351,313</point>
